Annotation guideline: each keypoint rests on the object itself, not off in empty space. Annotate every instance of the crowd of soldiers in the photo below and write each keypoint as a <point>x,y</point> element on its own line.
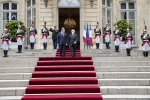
<point>45,34</point>
<point>128,38</point>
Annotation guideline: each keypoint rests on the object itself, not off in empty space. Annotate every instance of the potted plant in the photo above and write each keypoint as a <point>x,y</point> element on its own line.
<point>12,28</point>
<point>122,26</point>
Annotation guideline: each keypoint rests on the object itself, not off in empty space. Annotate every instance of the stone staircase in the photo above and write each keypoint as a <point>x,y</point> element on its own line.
<point>15,71</point>
<point>120,77</point>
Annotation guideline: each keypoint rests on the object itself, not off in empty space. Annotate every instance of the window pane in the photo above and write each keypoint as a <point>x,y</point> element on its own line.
<point>28,22</point>
<point>108,3</point>
<point>103,2</point>
<point>14,6</point>
<point>5,15</point>
<point>131,15</point>
<point>28,13</point>
<point>123,15</point>
<point>103,12</point>
<point>34,19</point>
<point>123,5</point>
<point>108,13</point>
<point>14,16</point>
<point>5,6</point>
<point>132,21</point>
<point>33,2</point>
<point>103,21</point>
<point>131,6</point>
<point>28,3</point>
<point>33,12</point>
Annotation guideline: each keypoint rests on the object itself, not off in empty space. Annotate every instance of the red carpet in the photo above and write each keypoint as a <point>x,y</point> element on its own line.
<point>63,78</point>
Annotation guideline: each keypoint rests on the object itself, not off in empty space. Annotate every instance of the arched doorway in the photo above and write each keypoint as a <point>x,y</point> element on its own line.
<point>69,16</point>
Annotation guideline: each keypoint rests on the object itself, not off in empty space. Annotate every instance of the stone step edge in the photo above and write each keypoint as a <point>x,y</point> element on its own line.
<point>101,87</point>
<point>127,97</point>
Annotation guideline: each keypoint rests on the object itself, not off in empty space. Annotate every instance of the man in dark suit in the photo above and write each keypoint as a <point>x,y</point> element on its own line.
<point>73,38</point>
<point>54,36</point>
<point>62,41</point>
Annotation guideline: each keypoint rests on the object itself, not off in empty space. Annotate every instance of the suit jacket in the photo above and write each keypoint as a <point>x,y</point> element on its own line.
<point>73,38</point>
<point>54,33</point>
<point>62,39</point>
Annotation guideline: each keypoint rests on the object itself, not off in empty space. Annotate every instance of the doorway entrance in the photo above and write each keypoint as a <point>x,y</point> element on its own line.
<point>69,18</point>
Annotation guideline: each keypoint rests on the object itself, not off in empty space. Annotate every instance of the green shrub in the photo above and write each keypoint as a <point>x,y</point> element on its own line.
<point>123,25</point>
<point>12,28</point>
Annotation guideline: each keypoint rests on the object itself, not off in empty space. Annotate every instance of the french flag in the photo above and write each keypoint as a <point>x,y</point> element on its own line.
<point>90,36</point>
<point>84,35</point>
<point>87,36</point>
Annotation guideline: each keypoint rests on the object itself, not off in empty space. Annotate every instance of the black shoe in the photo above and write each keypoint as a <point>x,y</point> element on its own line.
<point>4,53</point>
<point>18,48</point>
<point>146,53</point>
<point>44,46</point>
<point>106,45</point>
<point>115,48</point>
<point>97,45</point>
<point>129,52</point>
<point>32,45</point>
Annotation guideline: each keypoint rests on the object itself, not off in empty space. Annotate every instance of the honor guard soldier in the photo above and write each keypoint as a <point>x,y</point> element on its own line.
<point>117,38</point>
<point>32,35</point>
<point>5,41</point>
<point>128,41</point>
<point>45,35</point>
<point>20,37</point>
<point>107,34</point>
<point>97,32</point>
<point>54,36</point>
<point>146,39</point>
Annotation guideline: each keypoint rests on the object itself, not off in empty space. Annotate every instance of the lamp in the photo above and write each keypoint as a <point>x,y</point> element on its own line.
<point>45,2</point>
<point>69,23</point>
<point>91,2</point>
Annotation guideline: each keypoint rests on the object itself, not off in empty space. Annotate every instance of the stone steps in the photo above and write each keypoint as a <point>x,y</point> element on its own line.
<point>100,75</point>
<point>122,63</point>
<point>30,69</point>
<point>106,90</point>
<point>105,97</point>
<point>102,82</point>
<point>125,58</point>
<point>122,68</point>
<point>120,77</point>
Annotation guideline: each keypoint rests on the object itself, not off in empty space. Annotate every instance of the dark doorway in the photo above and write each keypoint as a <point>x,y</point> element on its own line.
<point>72,14</point>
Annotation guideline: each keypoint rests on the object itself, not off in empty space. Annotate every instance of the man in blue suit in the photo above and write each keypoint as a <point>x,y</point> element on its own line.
<point>62,41</point>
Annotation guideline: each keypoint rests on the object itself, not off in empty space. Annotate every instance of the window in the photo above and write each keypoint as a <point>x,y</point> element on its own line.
<point>106,13</point>
<point>9,12</point>
<point>128,12</point>
<point>30,14</point>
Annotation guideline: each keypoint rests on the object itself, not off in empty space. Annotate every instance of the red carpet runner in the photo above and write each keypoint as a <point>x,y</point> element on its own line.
<point>63,78</point>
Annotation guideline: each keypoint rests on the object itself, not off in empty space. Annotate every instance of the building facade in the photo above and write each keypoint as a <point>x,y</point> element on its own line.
<point>54,12</point>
